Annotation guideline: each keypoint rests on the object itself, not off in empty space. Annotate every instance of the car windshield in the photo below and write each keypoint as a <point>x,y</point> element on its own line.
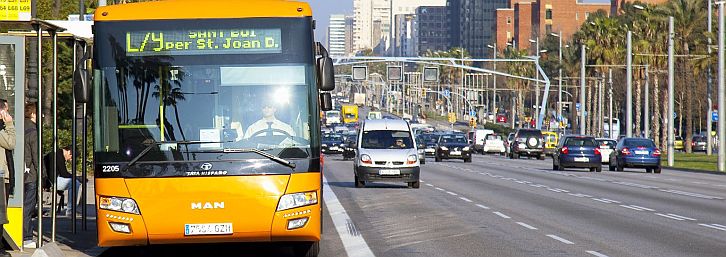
<point>580,141</point>
<point>332,114</point>
<point>453,139</point>
<point>639,143</point>
<point>386,139</point>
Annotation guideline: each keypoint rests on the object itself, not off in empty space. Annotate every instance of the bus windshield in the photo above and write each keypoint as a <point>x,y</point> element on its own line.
<point>228,85</point>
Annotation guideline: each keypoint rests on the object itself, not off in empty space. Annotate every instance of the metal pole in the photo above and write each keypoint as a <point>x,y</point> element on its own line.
<point>54,199</point>
<point>559,85</point>
<point>646,118</point>
<point>39,127</point>
<point>629,86</point>
<point>721,92</point>
<point>610,111</point>
<point>671,108</point>
<point>582,89</point>
<point>600,113</point>
<point>536,94</point>
<point>84,217</point>
<point>74,139</point>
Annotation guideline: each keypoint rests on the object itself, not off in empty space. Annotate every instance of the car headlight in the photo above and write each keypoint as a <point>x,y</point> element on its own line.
<point>411,159</point>
<point>466,148</point>
<point>444,148</point>
<point>119,204</point>
<point>364,158</point>
<point>295,200</point>
<point>324,145</point>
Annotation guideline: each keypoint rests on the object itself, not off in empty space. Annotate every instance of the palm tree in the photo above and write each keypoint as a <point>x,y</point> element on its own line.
<point>523,69</point>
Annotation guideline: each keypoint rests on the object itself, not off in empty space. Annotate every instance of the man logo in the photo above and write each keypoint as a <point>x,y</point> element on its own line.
<point>206,166</point>
<point>207,205</point>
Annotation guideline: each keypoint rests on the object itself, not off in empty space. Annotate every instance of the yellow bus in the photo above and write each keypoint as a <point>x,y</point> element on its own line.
<point>350,113</point>
<point>205,127</point>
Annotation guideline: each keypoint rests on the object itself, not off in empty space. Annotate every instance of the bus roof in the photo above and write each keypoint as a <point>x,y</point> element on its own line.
<point>191,9</point>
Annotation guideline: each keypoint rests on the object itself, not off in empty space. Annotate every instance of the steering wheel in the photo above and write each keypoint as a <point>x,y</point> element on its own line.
<point>273,131</point>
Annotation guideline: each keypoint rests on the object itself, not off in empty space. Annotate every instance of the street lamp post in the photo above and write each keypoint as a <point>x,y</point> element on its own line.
<point>536,93</point>
<point>582,89</point>
<point>671,105</point>
<point>559,86</point>
<point>721,92</point>
<point>494,92</point>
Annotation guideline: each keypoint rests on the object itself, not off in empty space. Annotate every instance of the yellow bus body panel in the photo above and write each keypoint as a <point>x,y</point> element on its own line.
<point>194,9</point>
<point>249,203</point>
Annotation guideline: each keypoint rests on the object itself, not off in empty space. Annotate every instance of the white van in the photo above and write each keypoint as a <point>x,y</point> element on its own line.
<point>386,152</point>
<point>332,117</point>
<point>477,137</point>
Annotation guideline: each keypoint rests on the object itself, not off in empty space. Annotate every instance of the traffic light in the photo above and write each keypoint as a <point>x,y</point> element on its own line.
<point>452,117</point>
<point>472,122</point>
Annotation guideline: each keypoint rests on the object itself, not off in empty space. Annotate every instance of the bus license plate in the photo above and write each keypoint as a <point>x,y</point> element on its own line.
<point>389,172</point>
<point>208,229</point>
<point>582,159</point>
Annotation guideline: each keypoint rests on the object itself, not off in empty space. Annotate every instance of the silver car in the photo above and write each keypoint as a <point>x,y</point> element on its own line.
<point>386,152</point>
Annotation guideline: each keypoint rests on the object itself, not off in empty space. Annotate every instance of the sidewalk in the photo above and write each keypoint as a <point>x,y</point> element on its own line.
<point>83,242</point>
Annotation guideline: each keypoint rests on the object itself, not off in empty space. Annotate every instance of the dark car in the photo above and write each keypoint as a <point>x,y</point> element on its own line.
<point>577,152</point>
<point>350,144</point>
<point>527,142</point>
<point>332,144</point>
<point>699,143</point>
<point>453,146</point>
<point>634,152</point>
<point>429,143</point>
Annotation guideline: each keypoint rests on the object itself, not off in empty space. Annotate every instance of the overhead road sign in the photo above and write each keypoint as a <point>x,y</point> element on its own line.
<point>431,74</point>
<point>360,73</point>
<point>395,73</point>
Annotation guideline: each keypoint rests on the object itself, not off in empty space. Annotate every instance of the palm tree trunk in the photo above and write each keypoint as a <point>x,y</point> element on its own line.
<point>689,102</point>
<point>637,106</point>
<point>656,112</point>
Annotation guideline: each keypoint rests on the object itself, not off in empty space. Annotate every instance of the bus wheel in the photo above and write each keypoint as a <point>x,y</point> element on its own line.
<point>307,249</point>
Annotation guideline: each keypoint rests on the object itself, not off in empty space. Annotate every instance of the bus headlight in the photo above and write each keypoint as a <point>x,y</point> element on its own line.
<point>295,200</point>
<point>119,204</point>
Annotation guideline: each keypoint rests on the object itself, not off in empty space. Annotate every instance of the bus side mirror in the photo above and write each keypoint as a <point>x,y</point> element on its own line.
<point>326,74</point>
<point>326,102</point>
<point>81,91</point>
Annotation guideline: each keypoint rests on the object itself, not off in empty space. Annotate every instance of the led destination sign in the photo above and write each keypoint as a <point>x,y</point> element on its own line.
<point>201,42</point>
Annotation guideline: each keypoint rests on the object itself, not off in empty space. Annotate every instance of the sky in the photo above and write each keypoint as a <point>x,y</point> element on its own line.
<point>322,9</point>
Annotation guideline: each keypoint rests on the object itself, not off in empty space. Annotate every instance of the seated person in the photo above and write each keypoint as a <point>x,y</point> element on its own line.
<point>64,179</point>
<point>269,125</point>
<point>399,144</point>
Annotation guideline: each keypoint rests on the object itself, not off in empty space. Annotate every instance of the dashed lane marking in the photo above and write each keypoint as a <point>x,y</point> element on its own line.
<point>682,217</point>
<point>526,225</point>
<point>714,226</point>
<point>670,217</point>
<point>440,189</point>
<point>501,215</point>
<point>597,254</point>
<point>482,206</point>
<point>465,199</point>
<point>427,184</point>
<point>561,239</point>
<point>353,242</point>
<point>697,195</point>
<point>452,193</point>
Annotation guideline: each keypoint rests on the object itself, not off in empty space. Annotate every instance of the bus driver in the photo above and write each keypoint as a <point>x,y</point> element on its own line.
<point>269,125</point>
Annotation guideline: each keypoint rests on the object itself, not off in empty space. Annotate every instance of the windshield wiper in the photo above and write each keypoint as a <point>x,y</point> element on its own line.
<point>262,153</point>
<point>148,148</point>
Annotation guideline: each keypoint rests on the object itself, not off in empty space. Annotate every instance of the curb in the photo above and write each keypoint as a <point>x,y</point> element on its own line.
<point>695,171</point>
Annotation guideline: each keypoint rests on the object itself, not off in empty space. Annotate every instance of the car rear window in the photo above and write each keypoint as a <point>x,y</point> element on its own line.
<point>638,143</point>
<point>386,139</point>
<point>580,141</point>
<point>529,133</point>
<point>494,137</point>
<point>607,143</point>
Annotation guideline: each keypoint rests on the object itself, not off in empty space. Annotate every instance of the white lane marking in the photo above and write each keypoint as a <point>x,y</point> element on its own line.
<point>698,183</point>
<point>597,254</point>
<point>641,207</point>
<point>579,195</point>
<point>353,241</point>
<point>427,184</point>
<point>561,239</point>
<point>678,192</point>
<point>668,216</point>
<point>682,217</point>
<point>451,193</point>
<point>440,189</point>
<point>526,225</point>
<point>634,185</point>
<point>714,226</point>
<point>482,206</point>
<point>501,215</point>
<point>601,200</point>
<point>630,207</point>
<point>465,199</point>
<point>421,181</point>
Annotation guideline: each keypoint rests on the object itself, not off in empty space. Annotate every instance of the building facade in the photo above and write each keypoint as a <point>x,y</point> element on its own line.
<point>405,36</point>
<point>477,25</point>
<point>432,29</point>
<point>336,35</point>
